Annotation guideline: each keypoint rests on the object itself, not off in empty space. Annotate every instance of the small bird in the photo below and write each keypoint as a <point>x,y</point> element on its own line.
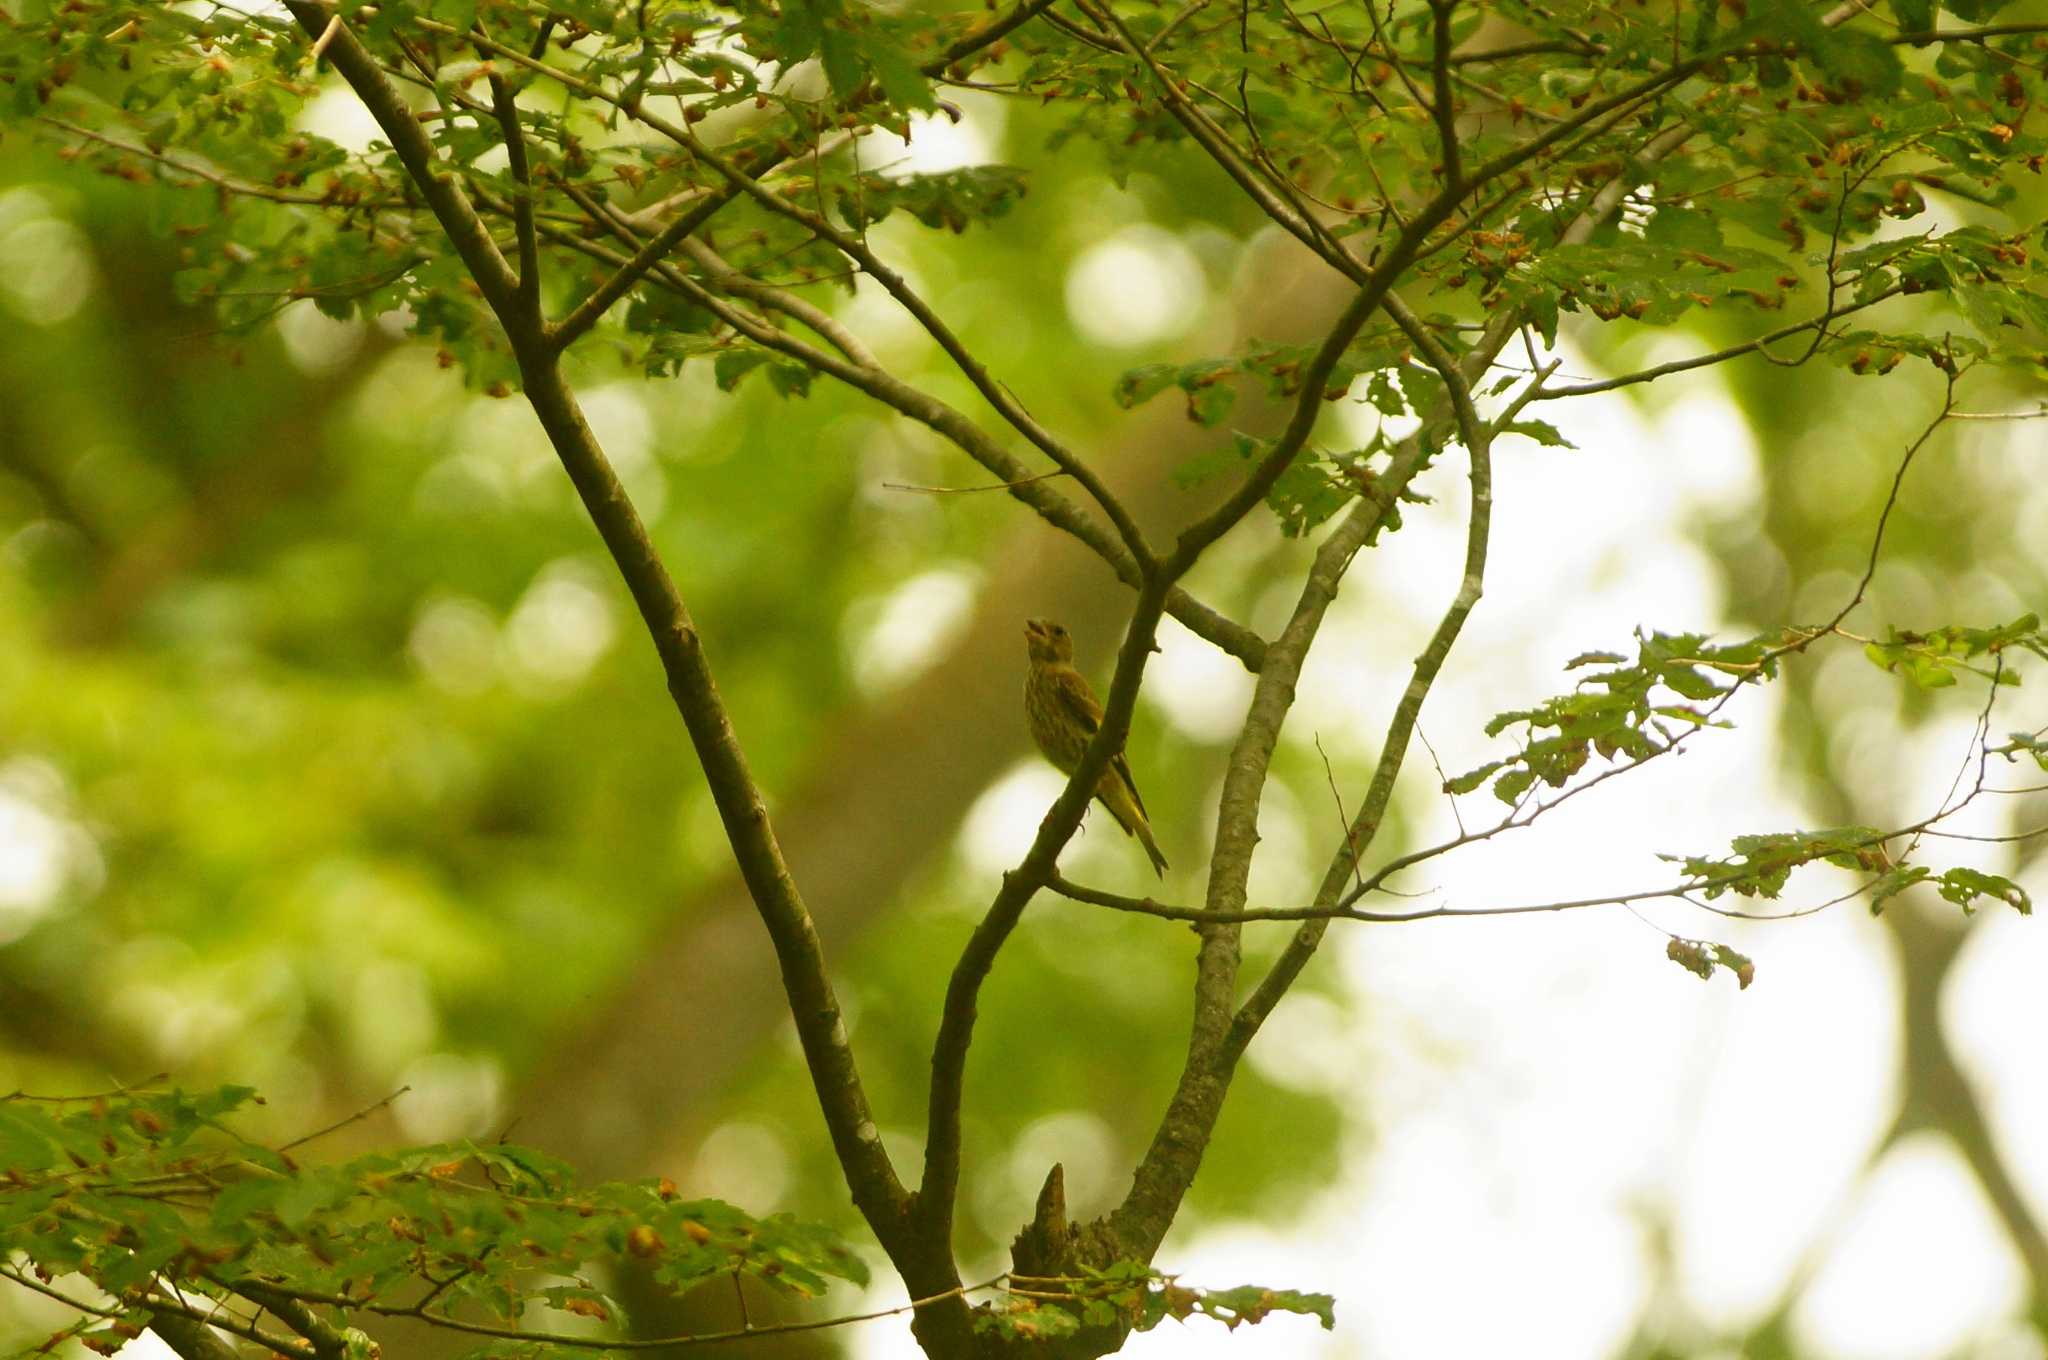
<point>1064,716</point>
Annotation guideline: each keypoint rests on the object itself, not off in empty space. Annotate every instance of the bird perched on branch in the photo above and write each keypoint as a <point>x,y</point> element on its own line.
<point>1064,716</point>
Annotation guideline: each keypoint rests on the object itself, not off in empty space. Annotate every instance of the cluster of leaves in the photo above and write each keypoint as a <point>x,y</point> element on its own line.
<point>1973,267</point>
<point>856,44</point>
<point>1377,369</point>
<point>205,113</point>
<point>951,199</point>
<point>1677,682</point>
<point>1761,865</point>
<point>1679,262</point>
<point>1931,660</point>
<point>1316,485</point>
<point>1624,712</point>
<point>152,1198</point>
<point>1791,160</point>
<point>1131,1295</point>
<point>1702,957</point>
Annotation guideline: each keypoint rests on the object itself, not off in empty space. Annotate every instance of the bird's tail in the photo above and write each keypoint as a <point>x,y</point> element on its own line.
<point>1143,830</point>
<point>1130,815</point>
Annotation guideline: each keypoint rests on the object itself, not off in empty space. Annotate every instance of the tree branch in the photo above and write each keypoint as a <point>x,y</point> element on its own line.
<point>506,108</point>
<point>657,248</point>
<point>1139,1223</point>
<point>967,45</point>
<point>731,280</point>
<point>327,1341</point>
<point>1719,356</point>
<point>813,1006</point>
<point>1442,109</point>
<point>939,1189</point>
<point>191,1338</point>
<point>420,1313</point>
<point>1477,437</point>
<point>1215,140</point>
<point>196,1327</point>
<point>993,392</point>
<point>947,421</point>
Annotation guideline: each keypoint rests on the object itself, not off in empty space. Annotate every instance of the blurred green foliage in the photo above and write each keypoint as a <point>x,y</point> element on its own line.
<point>343,765</point>
<point>366,762</point>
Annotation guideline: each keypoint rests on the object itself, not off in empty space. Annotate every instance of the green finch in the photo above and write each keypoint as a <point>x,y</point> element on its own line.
<point>1063,715</point>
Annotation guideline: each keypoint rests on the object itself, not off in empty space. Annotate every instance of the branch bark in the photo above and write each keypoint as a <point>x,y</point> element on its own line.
<point>1218,1037</point>
<point>190,1338</point>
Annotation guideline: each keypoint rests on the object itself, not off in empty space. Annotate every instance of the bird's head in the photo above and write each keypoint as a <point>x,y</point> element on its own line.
<point>1048,642</point>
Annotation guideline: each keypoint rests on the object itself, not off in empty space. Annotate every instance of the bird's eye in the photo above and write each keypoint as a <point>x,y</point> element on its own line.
<point>1058,631</point>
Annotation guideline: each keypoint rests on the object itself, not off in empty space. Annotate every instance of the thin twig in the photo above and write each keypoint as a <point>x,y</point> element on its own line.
<point>1442,778</point>
<point>970,490</point>
<point>340,1124</point>
<point>1343,818</point>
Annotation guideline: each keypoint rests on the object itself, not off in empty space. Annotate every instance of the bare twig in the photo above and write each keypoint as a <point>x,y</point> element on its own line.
<point>969,490</point>
<point>1891,501</point>
<point>1343,818</point>
<point>1457,817</point>
<point>1719,356</point>
<point>342,1123</point>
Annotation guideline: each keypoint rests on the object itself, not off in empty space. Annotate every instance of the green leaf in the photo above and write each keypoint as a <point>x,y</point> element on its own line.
<point>1937,659</point>
<point>799,33</point>
<point>1763,864</point>
<point>28,1138</point>
<point>1139,385</point>
<point>734,364</point>
<point>1701,957</point>
<point>1210,402</point>
<point>1893,882</point>
<point>1312,489</point>
<point>2019,744</point>
<point>949,199</point>
<point>843,68</point>
<point>789,379</point>
<point>1471,779</point>
<point>1542,431</point>
<point>1965,886</point>
<point>1615,711</point>
<point>903,84</point>
<point>1861,61</point>
<point>1510,787</point>
<point>1914,16</point>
